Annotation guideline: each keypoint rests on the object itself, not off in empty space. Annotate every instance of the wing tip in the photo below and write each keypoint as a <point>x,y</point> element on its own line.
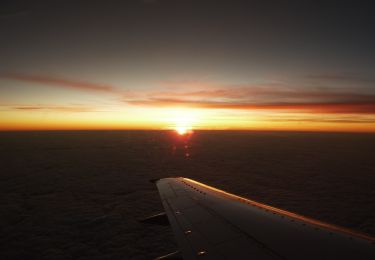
<point>158,179</point>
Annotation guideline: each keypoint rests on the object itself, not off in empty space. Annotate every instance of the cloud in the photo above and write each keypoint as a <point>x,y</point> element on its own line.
<point>342,77</point>
<point>346,108</point>
<point>275,92</point>
<point>263,97</point>
<point>60,82</point>
<point>54,108</point>
<point>273,96</point>
<point>353,120</point>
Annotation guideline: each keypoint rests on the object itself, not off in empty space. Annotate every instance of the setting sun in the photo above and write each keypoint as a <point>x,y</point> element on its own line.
<point>182,130</point>
<point>183,120</point>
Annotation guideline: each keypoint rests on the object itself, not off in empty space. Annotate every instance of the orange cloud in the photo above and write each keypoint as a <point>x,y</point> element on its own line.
<point>263,97</point>
<point>266,92</point>
<point>349,108</point>
<point>273,96</point>
<point>353,120</point>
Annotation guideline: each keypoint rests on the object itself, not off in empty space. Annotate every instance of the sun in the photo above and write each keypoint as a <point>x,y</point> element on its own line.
<point>183,121</point>
<point>182,130</point>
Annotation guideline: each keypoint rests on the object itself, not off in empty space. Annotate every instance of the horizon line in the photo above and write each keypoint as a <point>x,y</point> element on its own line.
<point>194,130</point>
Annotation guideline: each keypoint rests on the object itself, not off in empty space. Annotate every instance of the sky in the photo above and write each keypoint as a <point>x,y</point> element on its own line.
<point>200,64</point>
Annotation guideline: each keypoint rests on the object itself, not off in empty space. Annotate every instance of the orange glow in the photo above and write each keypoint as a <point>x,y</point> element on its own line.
<point>182,120</point>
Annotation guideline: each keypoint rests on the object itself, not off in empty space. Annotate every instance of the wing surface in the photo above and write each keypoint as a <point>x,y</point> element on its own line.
<point>209,223</point>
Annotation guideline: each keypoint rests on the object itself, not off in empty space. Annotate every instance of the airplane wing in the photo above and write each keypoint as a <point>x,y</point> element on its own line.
<point>209,223</point>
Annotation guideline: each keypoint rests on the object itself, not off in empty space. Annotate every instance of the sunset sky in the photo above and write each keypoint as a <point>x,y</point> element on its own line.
<point>204,64</point>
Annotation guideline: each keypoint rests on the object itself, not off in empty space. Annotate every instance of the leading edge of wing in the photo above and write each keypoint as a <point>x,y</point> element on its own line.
<point>284,212</point>
<point>207,219</point>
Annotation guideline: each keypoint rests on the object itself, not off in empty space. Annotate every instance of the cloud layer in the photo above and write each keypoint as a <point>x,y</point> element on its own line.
<point>54,108</point>
<point>264,97</point>
<point>274,96</point>
<point>60,82</point>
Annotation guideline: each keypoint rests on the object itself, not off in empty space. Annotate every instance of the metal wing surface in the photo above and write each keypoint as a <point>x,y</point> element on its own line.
<point>209,223</point>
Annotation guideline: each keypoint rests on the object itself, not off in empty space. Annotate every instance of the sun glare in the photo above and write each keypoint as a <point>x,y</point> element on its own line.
<point>183,121</point>
<point>182,130</point>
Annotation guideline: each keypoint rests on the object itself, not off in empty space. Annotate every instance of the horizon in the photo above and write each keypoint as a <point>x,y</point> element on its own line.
<point>176,132</point>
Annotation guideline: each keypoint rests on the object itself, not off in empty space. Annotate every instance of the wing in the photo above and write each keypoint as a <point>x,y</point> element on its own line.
<point>209,223</point>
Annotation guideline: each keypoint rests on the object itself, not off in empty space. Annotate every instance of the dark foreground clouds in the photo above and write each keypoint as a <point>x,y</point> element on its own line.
<point>79,195</point>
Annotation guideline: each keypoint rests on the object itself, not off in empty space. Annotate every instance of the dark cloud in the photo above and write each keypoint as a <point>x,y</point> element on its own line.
<point>263,97</point>
<point>60,82</point>
<point>342,77</point>
<point>55,108</point>
<point>267,92</point>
